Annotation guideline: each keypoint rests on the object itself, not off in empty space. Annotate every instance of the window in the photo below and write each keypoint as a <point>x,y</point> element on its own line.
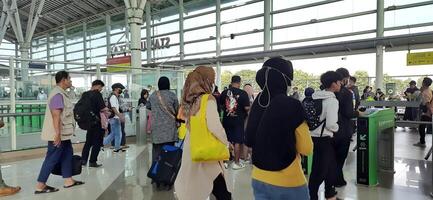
<point>242,41</point>
<point>200,47</point>
<point>415,15</point>
<point>242,26</point>
<point>199,21</point>
<point>200,34</point>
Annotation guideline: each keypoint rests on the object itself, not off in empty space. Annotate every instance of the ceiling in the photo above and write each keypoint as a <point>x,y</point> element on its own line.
<point>58,13</point>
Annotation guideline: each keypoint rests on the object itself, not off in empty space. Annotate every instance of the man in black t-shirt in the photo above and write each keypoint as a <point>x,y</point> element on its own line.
<point>235,103</point>
<point>95,135</point>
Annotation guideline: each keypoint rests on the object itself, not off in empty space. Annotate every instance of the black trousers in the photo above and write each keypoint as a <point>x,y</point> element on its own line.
<point>341,146</point>
<point>220,189</point>
<point>323,168</point>
<point>94,139</point>
<point>422,128</point>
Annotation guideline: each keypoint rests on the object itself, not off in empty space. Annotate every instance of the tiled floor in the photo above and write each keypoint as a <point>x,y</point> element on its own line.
<point>124,177</point>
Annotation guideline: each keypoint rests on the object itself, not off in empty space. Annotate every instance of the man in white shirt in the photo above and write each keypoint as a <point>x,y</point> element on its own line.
<point>116,118</point>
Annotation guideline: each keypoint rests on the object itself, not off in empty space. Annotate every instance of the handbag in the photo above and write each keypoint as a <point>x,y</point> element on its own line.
<point>76,166</point>
<point>204,145</point>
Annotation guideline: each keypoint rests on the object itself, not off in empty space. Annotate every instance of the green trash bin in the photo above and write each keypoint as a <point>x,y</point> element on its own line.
<point>19,120</point>
<point>36,120</point>
<point>26,119</point>
<point>42,108</point>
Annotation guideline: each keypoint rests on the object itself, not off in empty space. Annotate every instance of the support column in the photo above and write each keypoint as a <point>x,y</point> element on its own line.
<point>65,55</point>
<point>108,36</point>
<point>267,25</point>
<point>182,50</point>
<point>85,42</point>
<point>24,50</point>
<point>13,131</point>
<point>135,9</point>
<point>148,34</point>
<point>218,43</point>
<point>49,65</point>
<point>379,48</point>
<point>24,40</point>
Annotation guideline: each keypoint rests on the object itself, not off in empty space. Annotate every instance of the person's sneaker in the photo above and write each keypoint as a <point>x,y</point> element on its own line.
<point>119,150</point>
<point>226,165</point>
<point>7,191</point>
<point>237,166</point>
<point>95,165</point>
<point>245,162</point>
<point>419,144</point>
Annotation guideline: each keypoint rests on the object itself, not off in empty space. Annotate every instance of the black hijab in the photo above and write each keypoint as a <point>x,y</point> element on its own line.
<point>274,117</point>
<point>163,83</point>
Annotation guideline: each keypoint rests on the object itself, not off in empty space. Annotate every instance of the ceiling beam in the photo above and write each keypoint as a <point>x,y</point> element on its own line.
<point>80,11</point>
<point>98,4</point>
<point>84,6</point>
<point>70,13</point>
<point>54,18</point>
<point>47,24</point>
<point>59,7</point>
<point>112,3</point>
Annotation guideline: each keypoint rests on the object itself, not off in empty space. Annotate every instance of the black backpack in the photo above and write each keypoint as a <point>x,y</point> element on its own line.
<point>111,108</point>
<point>313,110</point>
<point>83,112</point>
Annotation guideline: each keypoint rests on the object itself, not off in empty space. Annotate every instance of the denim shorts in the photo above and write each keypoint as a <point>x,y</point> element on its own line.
<point>264,191</point>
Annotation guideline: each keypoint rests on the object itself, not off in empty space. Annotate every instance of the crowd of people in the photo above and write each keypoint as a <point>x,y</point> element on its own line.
<point>270,131</point>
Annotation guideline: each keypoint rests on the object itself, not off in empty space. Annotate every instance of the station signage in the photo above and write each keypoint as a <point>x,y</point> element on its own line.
<point>158,43</point>
<point>124,63</point>
<point>421,58</point>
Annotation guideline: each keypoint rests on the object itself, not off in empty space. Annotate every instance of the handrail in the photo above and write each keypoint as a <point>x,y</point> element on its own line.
<point>21,114</point>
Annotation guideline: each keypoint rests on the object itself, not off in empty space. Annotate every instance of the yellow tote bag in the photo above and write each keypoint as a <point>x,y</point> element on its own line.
<point>182,131</point>
<point>204,145</point>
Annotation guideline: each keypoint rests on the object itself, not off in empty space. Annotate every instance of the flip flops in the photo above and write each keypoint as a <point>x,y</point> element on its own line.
<point>47,189</point>
<point>75,184</point>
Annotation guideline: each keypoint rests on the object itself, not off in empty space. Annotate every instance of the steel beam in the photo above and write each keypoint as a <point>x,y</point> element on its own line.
<point>379,48</point>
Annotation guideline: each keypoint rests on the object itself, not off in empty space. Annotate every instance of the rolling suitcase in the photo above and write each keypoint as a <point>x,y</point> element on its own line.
<point>164,170</point>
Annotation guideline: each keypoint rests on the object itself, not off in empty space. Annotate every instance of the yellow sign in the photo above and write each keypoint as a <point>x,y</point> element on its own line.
<point>123,62</point>
<point>423,58</point>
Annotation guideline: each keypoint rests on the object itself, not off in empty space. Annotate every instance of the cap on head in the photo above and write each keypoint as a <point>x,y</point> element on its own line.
<point>117,85</point>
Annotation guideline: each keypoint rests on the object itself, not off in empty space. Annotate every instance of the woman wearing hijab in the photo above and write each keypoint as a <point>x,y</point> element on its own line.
<point>278,135</point>
<point>163,105</point>
<point>197,180</point>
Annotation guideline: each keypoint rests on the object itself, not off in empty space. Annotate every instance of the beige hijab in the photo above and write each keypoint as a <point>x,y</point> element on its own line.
<point>198,82</point>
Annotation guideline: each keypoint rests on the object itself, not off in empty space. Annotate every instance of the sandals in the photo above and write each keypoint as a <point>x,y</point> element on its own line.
<point>47,189</point>
<point>75,184</point>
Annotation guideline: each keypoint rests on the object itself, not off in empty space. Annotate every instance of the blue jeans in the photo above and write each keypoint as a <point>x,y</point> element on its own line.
<point>115,134</point>
<point>62,154</point>
<point>264,191</point>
